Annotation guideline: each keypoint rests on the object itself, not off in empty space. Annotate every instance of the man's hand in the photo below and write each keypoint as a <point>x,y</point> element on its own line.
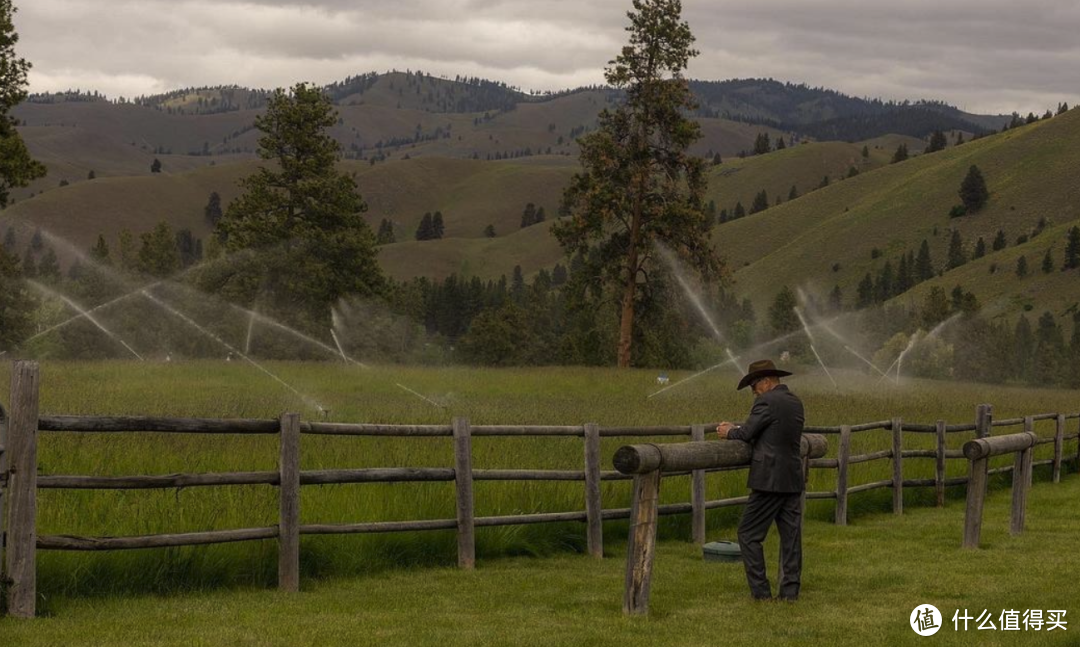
<point>723,429</point>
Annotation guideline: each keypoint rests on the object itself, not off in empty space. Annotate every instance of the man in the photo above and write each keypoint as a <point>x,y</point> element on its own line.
<point>776,480</point>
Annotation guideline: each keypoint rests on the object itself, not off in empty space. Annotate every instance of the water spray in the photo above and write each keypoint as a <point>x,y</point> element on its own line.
<point>250,329</point>
<point>695,375</point>
<point>188,320</point>
<point>806,328</point>
<point>422,397</point>
<point>868,362</point>
<point>337,342</point>
<point>83,312</point>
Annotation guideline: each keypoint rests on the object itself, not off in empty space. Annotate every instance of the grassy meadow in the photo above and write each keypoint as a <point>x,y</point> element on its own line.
<point>485,396</point>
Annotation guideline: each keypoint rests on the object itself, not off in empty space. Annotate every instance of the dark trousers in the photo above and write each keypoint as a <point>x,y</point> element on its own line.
<point>761,511</point>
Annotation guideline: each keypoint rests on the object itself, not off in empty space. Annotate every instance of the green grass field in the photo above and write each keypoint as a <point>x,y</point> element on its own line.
<point>860,583</point>
<point>510,396</point>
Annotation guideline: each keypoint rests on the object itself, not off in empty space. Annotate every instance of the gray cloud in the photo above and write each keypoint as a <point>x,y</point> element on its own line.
<point>985,55</point>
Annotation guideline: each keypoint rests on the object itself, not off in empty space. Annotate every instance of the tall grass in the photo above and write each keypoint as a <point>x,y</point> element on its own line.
<point>351,393</point>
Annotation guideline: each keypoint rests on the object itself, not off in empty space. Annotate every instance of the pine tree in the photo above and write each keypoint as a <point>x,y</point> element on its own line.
<point>938,142</point>
<point>29,267</point>
<point>437,226</point>
<point>489,231</point>
<point>1072,250</point>
<point>638,184</point>
<point>1048,263</point>
<point>980,248</point>
<point>865,152</point>
<point>212,211</point>
<point>17,304</point>
<point>924,267</point>
<point>155,166</point>
<point>541,215</point>
<point>836,299</point>
<point>302,217</point>
<point>761,202</point>
<point>739,211</point>
<point>935,308</point>
<point>957,255</point>
<point>865,295</point>
<point>528,215</point>
<point>37,241</point>
<point>1024,349</point>
<point>558,275</point>
<point>900,155</point>
<point>17,168</point>
<point>824,182</point>
<point>973,191</point>
<point>1021,266</point>
<point>158,254</point>
<point>10,240</point>
<point>793,193</point>
<point>1000,242</point>
<point>48,269</point>
<point>883,290</point>
<point>782,317</point>
<point>100,252</point>
<point>385,235</point>
<point>904,277</point>
<point>780,145</point>
<point>852,171</point>
<point>185,247</point>
<point>128,254</point>
<point>425,231</point>
<point>762,144</point>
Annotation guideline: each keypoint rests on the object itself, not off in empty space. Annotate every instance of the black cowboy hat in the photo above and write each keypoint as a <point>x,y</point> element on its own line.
<point>759,369</point>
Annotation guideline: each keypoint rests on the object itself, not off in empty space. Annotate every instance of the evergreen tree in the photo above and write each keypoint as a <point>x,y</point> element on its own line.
<point>48,268</point>
<point>973,191</point>
<point>558,275</point>
<point>905,278</point>
<point>638,184</point>
<point>852,171</point>
<point>780,145</point>
<point>212,211</point>
<point>761,202</point>
<point>1048,366</point>
<point>1000,241</point>
<point>128,254</point>
<point>782,317</point>
<point>980,248</point>
<point>793,193</point>
<point>10,240</point>
<point>37,241</point>
<point>541,215</point>
<point>17,168</point>
<point>489,231</point>
<point>437,226</point>
<point>957,255</point>
<point>824,182</point>
<point>29,267</point>
<point>1024,349</point>
<point>883,290</point>
<point>716,161</point>
<point>528,216</point>
<point>935,308</point>
<point>155,166</point>
<point>1021,266</point>
<point>158,254</point>
<point>739,211</point>
<point>17,304</point>
<point>762,144</point>
<point>91,175</point>
<point>865,295</point>
<point>517,285</point>
<point>938,142</point>
<point>1072,250</point>
<point>186,248</point>
<point>1048,263</point>
<point>301,215</point>
<point>836,299</point>
<point>865,152</point>
<point>901,154</point>
<point>385,235</point>
<point>426,230</point>
<point>924,266</point>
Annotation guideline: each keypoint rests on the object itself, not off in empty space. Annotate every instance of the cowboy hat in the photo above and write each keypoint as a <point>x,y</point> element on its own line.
<point>759,369</point>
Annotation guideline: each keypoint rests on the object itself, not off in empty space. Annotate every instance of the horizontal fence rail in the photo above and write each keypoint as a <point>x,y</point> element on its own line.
<point>19,480</point>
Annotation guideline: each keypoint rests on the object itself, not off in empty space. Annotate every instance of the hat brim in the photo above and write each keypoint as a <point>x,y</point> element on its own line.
<point>757,375</point>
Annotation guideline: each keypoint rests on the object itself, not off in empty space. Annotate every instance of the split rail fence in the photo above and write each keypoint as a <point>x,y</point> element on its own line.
<point>19,478</point>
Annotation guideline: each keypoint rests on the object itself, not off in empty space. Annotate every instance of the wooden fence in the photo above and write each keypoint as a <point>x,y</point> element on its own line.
<point>19,478</point>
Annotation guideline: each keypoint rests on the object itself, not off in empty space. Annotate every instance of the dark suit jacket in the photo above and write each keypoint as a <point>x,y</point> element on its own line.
<point>774,428</point>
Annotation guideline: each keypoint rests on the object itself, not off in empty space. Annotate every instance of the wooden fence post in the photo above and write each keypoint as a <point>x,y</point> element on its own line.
<point>976,496</point>
<point>898,466</point>
<point>697,493</point>
<point>289,504</point>
<point>593,500</point>
<point>3,493</point>
<point>1059,446</point>
<point>939,468</point>
<point>984,418</point>
<point>642,543</point>
<point>842,475</point>
<point>22,490</point>
<point>1020,486</point>
<point>463,480</point>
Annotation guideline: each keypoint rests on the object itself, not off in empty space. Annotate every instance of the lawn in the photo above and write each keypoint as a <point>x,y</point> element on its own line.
<point>860,583</point>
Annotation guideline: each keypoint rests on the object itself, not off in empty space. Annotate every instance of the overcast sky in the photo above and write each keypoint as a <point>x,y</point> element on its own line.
<point>982,55</point>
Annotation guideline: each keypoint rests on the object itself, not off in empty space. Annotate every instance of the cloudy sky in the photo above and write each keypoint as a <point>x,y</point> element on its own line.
<point>982,55</point>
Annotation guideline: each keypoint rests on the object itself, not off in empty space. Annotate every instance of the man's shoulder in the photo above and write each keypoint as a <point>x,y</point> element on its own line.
<point>781,392</point>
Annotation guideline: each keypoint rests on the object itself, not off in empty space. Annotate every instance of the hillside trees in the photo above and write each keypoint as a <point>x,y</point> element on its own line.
<point>17,168</point>
<point>973,191</point>
<point>17,304</point>
<point>638,185</point>
<point>1072,250</point>
<point>299,218</point>
<point>900,155</point>
<point>212,211</point>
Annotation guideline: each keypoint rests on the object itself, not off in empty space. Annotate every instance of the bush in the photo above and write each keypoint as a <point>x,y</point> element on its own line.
<point>957,211</point>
